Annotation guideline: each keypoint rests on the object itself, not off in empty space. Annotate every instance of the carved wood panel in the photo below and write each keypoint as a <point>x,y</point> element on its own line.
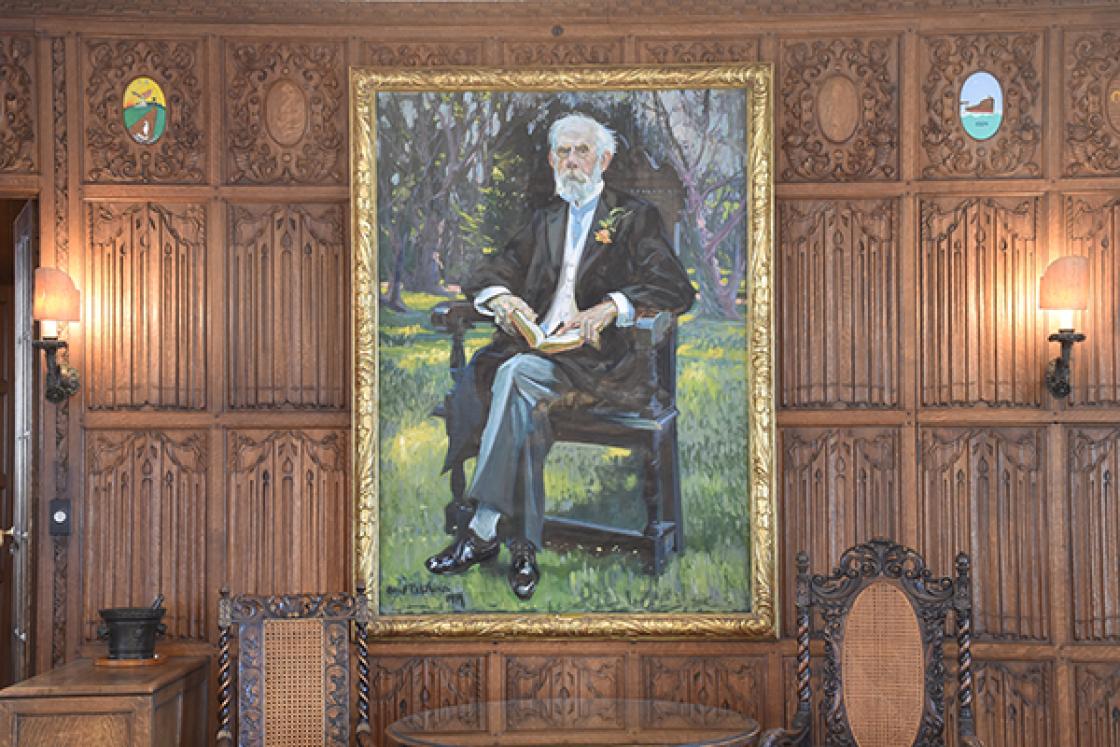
<point>983,491</point>
<point>568,52</point>
<point>18,147</point>
<point>839,487</point>
<point>110,153</point>
<point>1091,104</point>
<point>143,524</point>
<point>839,109</point>
<point>421,54</point>
<point>287,511</point>
<point>1016,149</point>
<point>667,51</point>
<point>1097,704</point>
<point>735,683</point>
<point>1014,704</point>
<point>1092,229</point>
<point>403,685</point>
<point>981,333</point>
<point>288,295</point>
<point>558,692</point>
<point>1094,526</point>
<point>285,114</point>
<point>145,306</point>
<point>838,296</point>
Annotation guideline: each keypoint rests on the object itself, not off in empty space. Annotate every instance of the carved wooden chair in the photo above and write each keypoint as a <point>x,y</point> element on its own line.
<point>650,428</point>
<point>293,669</point>
<point>883,674</point>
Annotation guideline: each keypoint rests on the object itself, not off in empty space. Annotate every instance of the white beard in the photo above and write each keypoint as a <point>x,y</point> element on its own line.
<point>576,188</point>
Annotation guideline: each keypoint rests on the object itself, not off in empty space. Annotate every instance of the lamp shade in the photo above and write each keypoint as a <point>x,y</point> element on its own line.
<point>56,298</point>
<point>1065,285</point>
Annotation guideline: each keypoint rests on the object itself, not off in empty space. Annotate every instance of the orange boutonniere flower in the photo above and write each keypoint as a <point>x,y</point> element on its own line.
<point>609,226</point>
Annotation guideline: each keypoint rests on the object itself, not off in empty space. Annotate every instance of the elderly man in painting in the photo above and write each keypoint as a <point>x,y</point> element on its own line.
<point>560,293</point>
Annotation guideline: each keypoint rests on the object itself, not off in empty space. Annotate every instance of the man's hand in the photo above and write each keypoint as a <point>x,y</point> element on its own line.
<point>591,322</point>
<point>503,306</point>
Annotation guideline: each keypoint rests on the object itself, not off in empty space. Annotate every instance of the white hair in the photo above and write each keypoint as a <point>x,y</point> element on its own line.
<point>604,138</point>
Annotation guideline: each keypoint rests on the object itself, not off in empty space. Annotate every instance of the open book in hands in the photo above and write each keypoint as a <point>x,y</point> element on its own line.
<point>538,340</point>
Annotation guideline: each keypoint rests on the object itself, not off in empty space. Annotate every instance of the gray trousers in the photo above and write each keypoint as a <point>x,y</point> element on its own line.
<point>509,473</point>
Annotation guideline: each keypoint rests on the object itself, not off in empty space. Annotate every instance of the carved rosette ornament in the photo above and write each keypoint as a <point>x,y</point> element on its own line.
<point>839,109</point>
<point>111,155</point>
<point>1092,105</point>
<point>1015,60</point>
<point>284,113</point>
<point>17,104</point>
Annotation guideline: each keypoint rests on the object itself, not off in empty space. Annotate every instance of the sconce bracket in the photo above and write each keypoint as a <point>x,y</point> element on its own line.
<point>62,379</point>
<point>1057,373</point>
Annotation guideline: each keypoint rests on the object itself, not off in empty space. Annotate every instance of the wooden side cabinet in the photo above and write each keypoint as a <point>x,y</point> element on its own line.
<point>80,703</point>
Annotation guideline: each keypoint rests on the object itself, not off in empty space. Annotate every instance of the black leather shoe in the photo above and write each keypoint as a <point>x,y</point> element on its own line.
<point>467,550</point>
<point>523,571</point>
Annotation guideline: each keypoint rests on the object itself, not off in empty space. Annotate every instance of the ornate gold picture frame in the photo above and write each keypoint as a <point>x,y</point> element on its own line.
<point>448,166</point>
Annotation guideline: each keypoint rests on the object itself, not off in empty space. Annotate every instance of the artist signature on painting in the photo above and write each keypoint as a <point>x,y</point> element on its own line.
<point>405,587</point>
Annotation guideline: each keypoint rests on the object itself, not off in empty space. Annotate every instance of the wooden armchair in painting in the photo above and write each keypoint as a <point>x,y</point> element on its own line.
<point>883,673</point>
<point>649,427</point>
<point>293,669</point>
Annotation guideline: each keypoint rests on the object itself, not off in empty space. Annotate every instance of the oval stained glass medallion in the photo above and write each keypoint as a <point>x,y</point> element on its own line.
<point>1112,102</point>
<point>144,109</point>
<point>981,105</point>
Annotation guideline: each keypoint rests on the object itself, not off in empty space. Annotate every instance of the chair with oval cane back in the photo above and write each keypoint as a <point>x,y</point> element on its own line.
<point>883,675</point>
<point>293,669</point>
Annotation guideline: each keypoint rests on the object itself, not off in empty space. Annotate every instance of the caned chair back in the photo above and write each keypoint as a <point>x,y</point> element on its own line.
<point>293,669</point>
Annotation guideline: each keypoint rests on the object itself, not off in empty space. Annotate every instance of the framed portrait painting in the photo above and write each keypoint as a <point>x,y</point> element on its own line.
<point>563,414</point>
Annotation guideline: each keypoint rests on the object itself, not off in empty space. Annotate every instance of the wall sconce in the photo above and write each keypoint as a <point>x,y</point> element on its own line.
<point>56,300</point>
<point>1065,289</point>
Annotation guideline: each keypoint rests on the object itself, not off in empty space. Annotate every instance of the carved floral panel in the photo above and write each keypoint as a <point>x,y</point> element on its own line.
<point>288,307</point>
<point>144,528</point>
<point>981,333</point>
<point>285,114</point>
<point>736,683</point>
<point>1015,60</point>
<point>145,317</point>
<point>839,109</point>
<point>1097,704</point>
<point>18,152</point>
<point>558,692</point>
<point>421,54</point>
<point>1091,104</point>
<point>404,685</point>
<point>604,51</point>
<point>1014,704</point>
<point>1094,521</point>
<point>110,155</point>
<point>673,51</point>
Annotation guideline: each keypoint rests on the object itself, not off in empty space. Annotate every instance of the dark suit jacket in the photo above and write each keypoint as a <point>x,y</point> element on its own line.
<point>638,262</point>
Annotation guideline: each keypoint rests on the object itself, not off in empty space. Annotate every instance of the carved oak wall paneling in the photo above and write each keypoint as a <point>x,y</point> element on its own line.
<point>666,51</point>
<point>1094,521</point>
<point>736,683</point>
<point>287,511</point>
<point>981,334</point>
<point>403,685</point>
<point>1016,61</point>
<point>839,487</point>
<point>983,491</point>
<point>144,527</point>
<point>18,150</point>
<point>1097,704</point>
<point>1093,230</point>
<point>110,153</point>
<point>1014,704</point>
<point>838,297</point>
<point>288,295</point>
<point>839,109</point>
<point>422,54</point>
<point>1091,104</point>
<point>145,318</point>
<point>285,113</point>
<point>568,52</point>
<point>556,692</point>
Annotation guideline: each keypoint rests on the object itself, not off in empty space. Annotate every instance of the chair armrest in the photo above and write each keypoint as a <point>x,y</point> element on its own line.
<point>455,316</point>
<point>652,327</point>
<point>971,742</point>
<point>785,738</point>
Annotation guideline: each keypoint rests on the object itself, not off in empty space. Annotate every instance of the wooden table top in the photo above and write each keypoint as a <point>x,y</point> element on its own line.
<point>82,677</point>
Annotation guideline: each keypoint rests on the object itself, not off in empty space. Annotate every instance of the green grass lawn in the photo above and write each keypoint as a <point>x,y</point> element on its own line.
<point>589,482</point>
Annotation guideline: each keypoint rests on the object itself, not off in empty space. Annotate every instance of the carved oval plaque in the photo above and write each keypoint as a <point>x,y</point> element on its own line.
<point>981,105</point>
<point>144,109</point>
<point>285,112</point>
<point>1112,102</point>
<point>838,109</point>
